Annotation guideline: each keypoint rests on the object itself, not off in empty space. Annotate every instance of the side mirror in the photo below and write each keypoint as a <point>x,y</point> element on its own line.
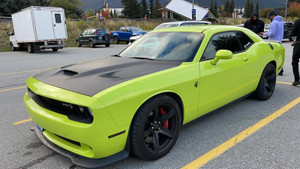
<point>222,54</point>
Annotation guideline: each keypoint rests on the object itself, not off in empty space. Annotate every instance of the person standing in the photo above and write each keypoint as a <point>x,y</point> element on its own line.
<point>296,52</point>
<point>276,30</point>
<point>255,24</point>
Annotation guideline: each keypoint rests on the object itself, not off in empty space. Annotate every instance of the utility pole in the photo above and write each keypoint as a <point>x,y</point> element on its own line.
<point>286,3</point>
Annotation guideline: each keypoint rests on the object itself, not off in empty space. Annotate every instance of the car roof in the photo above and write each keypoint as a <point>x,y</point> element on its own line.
<point>181,22</point>
<point>200,28</point>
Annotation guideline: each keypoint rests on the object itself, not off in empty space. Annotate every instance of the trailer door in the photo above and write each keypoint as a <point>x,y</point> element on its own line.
<point>59,25</point>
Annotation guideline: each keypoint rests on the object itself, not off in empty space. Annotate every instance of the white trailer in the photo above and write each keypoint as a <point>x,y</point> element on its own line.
<point>38,28</point>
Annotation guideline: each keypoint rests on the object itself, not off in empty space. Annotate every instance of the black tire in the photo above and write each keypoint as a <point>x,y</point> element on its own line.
<point>30,48</point>
<point>92,44</point>
<point>116,40</point>
<point>78,43</point>
<point>107,44</point>
<point>153,134</point>
<point>266,84</point>
<point>12,47</point>
<point>54,49</point>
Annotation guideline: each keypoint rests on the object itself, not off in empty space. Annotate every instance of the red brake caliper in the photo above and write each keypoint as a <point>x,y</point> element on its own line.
<point>163,112</point>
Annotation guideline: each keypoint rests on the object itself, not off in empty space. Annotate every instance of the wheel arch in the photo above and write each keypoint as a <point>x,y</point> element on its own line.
<point>173,95</point>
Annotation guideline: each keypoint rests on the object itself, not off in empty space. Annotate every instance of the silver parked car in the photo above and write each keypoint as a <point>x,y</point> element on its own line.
<point>172,24</point>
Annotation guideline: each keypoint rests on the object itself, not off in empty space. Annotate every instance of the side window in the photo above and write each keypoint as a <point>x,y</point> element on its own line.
<point>57,18</point>
<point>246,42</point>
<point>123,29</point>
<point>226,40</point>
<point>85,33</point>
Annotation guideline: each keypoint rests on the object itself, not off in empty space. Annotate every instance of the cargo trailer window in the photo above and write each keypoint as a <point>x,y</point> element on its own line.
<point>57,18</point>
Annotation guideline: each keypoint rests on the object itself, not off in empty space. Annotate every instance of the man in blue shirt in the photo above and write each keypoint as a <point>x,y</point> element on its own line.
<point>276,29</point>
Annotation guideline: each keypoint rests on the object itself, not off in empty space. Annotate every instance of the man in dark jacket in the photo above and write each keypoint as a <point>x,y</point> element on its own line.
<point>296,52</point>
<point>254,24</point>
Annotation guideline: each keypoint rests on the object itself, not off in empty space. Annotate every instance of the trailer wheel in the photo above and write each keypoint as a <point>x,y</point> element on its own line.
<point>54,49</point>
<point>30,48</point>
<point>12,47</point>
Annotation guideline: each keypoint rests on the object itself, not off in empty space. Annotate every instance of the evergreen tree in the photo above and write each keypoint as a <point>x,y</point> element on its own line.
<point>227,7</point>
<point>251,8</point>
<point>232,6</point>
<point>131,9</point>
<point>144,8</point>
<point>216,9</point>
<point>247,7</point>
<point>151,8</point>
<point>257,8</point>
<point>156,10</point>
<point>211,7</point>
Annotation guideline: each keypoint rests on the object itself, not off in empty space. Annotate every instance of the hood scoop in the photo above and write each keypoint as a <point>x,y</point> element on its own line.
<point>69,72</point>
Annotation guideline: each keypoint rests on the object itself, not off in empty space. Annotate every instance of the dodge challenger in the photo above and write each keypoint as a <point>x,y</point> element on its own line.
<point>98,112</point>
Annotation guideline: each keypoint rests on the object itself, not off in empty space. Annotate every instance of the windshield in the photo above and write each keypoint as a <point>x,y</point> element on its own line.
<point>166,26</point>
<point>136,29</point>
<point>173,46</point>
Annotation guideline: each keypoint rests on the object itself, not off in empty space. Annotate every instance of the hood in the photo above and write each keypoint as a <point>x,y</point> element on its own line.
<point>93,77</point>
<point>277,18</point>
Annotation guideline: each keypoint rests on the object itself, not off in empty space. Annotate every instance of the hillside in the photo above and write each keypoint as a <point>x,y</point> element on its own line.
<point>97,4</point>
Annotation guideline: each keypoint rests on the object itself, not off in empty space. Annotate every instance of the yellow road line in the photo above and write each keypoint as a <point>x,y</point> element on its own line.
<point>283,82</point>
<point>240,137</point>
<point>13,73</point>
<point>5,90</point>
<point>23,121</point>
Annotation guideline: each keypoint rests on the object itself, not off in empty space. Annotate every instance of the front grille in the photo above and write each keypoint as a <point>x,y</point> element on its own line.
<point>70,110</point>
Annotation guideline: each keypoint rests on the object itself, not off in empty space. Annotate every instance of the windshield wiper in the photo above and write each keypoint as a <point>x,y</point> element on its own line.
<point>142,58</point>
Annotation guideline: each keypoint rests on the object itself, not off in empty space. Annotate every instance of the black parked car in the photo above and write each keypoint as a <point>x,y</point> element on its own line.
<point>94,37</point>
<point>288,26</point>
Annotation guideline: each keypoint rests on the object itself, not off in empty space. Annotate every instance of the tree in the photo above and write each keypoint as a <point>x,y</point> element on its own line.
<point>257,8</point>
<point>227,7</point>
<point>264,12</point>
<point>151,8</point>
<point>216,9</point>
<point>90,13</point>
<point>144,8</point>
<point>211,7</point>
<point>294,9</point>
<point>231,7</point>
<point>247,9</point>
<point>7,7</point>
<point>156,10</point>
<point>131,9</point>
<point>71,7</point>
<point>251,8</point>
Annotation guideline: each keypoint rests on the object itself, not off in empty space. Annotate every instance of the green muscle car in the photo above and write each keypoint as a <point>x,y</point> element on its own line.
<point>99,112</point>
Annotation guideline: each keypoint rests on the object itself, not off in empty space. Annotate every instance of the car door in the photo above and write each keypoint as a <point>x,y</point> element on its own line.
<point>227,80</point>
<point>82,37</point>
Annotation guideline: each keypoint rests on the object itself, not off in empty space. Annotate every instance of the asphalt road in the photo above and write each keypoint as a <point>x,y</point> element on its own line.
<point>276,145</point>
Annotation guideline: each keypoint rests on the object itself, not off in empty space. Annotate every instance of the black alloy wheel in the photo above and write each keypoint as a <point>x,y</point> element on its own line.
<point>267,83</point>
<point>155,128</point>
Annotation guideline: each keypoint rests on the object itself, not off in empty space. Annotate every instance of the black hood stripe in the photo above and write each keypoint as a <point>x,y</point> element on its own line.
<point>93,77</point>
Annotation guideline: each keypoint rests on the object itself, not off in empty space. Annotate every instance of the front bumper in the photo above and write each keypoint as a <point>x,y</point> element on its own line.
<point>102,139</point>
<point>80,160</point>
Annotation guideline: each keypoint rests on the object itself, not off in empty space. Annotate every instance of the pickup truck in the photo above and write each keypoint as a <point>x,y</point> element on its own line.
<point>125,33</point>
